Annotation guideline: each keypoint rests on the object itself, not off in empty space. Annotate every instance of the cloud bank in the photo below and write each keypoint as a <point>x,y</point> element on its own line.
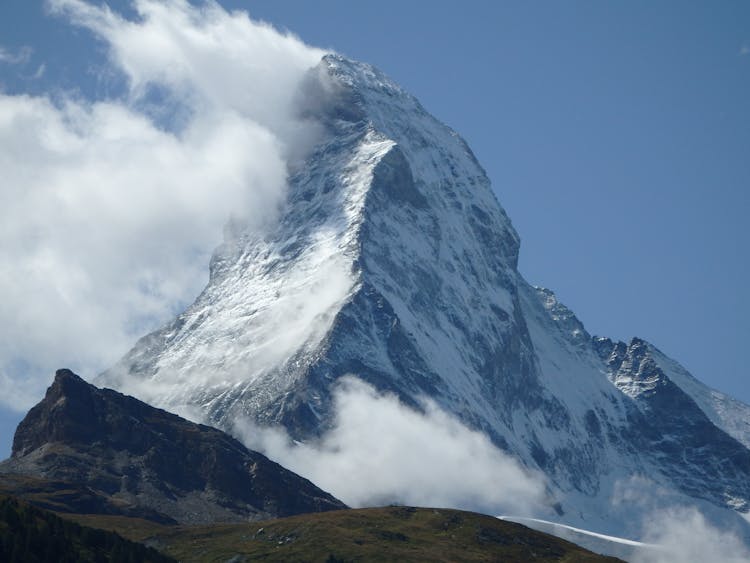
<point>109,209</point>
<point>380,451</point>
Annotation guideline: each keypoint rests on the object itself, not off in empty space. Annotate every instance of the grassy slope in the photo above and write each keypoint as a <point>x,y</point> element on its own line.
<point>371,534</point>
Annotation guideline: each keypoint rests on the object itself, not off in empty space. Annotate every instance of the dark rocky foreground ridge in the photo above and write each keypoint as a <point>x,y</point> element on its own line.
<point>89,450</point>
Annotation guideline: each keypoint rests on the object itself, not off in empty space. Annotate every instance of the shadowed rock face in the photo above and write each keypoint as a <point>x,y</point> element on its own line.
<point>707,461</point>
<point>140,457</point>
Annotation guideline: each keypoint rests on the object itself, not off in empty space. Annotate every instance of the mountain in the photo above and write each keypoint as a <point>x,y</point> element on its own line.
<point>89,450</point>
<point>392,260</point>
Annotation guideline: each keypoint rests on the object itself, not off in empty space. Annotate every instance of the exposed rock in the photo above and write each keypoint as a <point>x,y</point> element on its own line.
<point>151,463</point>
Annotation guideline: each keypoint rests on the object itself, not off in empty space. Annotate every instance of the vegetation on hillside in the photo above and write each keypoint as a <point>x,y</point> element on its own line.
<point>373,534</point>
<point>399,533</point>
<point>31,535</point>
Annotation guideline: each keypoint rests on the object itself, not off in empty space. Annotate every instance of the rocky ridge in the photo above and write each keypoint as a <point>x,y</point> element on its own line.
<point>118,455</point>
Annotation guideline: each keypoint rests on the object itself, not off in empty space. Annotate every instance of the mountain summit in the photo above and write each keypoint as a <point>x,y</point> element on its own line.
<point>126,457</point>
<point>392,260</point>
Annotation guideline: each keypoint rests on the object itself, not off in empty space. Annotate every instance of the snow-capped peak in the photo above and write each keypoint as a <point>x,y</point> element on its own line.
<point>392,260</point>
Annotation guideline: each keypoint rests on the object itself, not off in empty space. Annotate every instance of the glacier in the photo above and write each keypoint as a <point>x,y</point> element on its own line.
<point>393,260</point>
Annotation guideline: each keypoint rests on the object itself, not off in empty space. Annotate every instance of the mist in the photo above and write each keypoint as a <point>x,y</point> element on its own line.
<point>684,534</point>
<point>380,451</point>
<point>675,527</point>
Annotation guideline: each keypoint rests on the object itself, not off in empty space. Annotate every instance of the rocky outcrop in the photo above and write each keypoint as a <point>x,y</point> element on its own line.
<point>151,463</point>
<point>700,457</point>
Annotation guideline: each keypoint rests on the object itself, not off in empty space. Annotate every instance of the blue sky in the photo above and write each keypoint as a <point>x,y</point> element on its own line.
<point>616,134</point>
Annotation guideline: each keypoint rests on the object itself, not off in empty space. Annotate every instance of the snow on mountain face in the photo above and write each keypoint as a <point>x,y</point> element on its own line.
<point>729,414</point>
<point>627,550</point>
<point>706,461</point>
<point>391,195</point>
<point>393,261</point>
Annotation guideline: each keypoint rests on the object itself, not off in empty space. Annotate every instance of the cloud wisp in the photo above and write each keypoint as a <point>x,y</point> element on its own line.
<point>380,451</point>
<point>109,209</point>
<point>18,57</point>
<point>684,534</point>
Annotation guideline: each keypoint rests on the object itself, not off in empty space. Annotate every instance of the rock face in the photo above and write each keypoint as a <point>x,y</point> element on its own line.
<point>393,261</point>
<point>151,463</point>
<point>706,461</point>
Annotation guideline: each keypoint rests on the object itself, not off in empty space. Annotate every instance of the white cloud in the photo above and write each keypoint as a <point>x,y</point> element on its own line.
<point>110,209</point>
<point>680,528</point>
<point>684,535</point>
<point>380,451</point>
<point>205,56</point>
<point>744,50</point>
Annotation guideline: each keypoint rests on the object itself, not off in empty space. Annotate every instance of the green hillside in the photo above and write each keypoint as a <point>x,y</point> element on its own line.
<point>30,535</point>
<point>371,534</point>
